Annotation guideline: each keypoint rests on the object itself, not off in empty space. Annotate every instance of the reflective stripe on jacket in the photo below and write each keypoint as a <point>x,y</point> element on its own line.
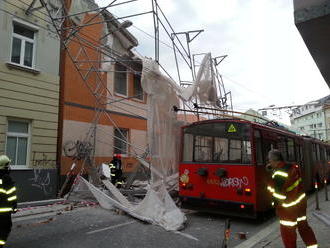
<point>286,186</point>
<point>8,197</point>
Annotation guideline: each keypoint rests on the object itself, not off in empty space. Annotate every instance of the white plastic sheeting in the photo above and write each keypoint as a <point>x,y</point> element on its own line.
<point>203,88</point>
<point>163,137</point>
<point>156,208</point>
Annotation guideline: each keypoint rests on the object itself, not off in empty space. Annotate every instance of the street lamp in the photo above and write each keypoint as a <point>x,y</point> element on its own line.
<point>125,24</point>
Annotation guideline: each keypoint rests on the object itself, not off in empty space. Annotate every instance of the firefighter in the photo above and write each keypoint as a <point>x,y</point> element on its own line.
<point>116,171</point>
<point>290,201</point>
<point>8,199</point>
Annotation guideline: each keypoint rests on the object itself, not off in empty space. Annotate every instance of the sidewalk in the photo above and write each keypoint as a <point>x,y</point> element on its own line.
<point>319,220</point>
<point>37,209</point>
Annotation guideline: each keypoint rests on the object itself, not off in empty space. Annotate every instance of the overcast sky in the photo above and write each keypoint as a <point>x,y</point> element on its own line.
<point>268,62</point>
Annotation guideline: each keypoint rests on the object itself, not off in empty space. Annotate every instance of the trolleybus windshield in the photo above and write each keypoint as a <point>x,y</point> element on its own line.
<point>218,142</point>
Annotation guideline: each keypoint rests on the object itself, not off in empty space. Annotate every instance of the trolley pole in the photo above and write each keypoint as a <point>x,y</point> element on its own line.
<point>317,197</point>
<point>326,189</point>
<point>226,234</point>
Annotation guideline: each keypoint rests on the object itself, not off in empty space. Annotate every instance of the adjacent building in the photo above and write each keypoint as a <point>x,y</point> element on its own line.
<point>29,98</point>
<point>313,119</point>
<point>104,106</point>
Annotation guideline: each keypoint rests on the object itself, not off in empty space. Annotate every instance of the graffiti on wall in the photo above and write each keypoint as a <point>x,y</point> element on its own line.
<point>41,159</point>
<point>78,149</point>
<point>42,180</point>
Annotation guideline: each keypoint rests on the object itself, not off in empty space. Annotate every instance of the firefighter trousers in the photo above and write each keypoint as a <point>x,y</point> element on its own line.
<point>292,219</point>
<point>5,227</point>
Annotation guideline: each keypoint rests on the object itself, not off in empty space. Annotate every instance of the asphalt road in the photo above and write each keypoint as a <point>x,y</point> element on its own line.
<point>96,227</point>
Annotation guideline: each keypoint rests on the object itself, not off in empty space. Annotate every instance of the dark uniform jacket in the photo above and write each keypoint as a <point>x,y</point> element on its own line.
<point>8,198</point>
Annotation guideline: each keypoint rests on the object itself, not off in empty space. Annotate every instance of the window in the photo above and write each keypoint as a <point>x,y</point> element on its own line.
<point>217,143</point>
<point>258,143</point>
<point>137,88</point>
<point>188,147</point>
<point>203,148</point>
<point>291,154</point>
<point>23,45</point>
<point>120,141</point>
<point>220,149</point>
<point>235,150</point>
<point>281,145</point>
<point>17,142</point>
<point>319,125</point>
<point>120,79</point>
<point>246,152</point>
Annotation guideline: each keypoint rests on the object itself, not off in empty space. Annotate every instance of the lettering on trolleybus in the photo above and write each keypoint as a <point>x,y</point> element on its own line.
<point>233,182</point>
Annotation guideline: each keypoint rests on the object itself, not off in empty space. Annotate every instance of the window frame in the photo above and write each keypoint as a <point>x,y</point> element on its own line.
<point>126,144</point>
<point>20,135</point>
<point>115,80</point>
<point>24,39</point>
<point>134,94</point>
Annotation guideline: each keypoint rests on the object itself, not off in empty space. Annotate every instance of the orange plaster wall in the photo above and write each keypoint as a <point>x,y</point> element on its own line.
<point>87,115</point>
<point>76,89</point>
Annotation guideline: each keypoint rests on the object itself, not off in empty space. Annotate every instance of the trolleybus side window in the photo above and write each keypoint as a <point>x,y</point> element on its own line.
<point>246,156</point>
<point>290,146</point>
<point>258,148</point>
<point>314,157</point>
<point>317,152</point>
<point>282,146</point>
<point>267,146</point>
<point>321,153</point>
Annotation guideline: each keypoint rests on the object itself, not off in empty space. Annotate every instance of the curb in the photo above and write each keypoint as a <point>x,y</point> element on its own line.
<point>40,203</point>
<point>271,229</point>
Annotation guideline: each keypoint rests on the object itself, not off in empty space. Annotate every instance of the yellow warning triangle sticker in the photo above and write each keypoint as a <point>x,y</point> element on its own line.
<point>231,129</point>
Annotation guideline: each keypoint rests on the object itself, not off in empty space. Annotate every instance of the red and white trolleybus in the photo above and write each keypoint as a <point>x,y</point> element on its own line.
<point>223,164</point>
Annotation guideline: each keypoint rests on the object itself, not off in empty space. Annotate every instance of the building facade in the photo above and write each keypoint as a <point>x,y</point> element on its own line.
<point>29,98</point>
<point>104,110</point>
<point>312,19</point>
<point>312,119</point>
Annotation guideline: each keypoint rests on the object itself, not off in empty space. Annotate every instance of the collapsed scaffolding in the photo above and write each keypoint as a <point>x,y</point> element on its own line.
<point>205,88</point>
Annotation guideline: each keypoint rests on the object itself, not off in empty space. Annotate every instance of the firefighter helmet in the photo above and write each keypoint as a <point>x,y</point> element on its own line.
<point>4,161</point>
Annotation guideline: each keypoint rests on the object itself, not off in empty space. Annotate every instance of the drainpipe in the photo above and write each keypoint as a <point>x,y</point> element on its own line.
<point>63,58</point>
